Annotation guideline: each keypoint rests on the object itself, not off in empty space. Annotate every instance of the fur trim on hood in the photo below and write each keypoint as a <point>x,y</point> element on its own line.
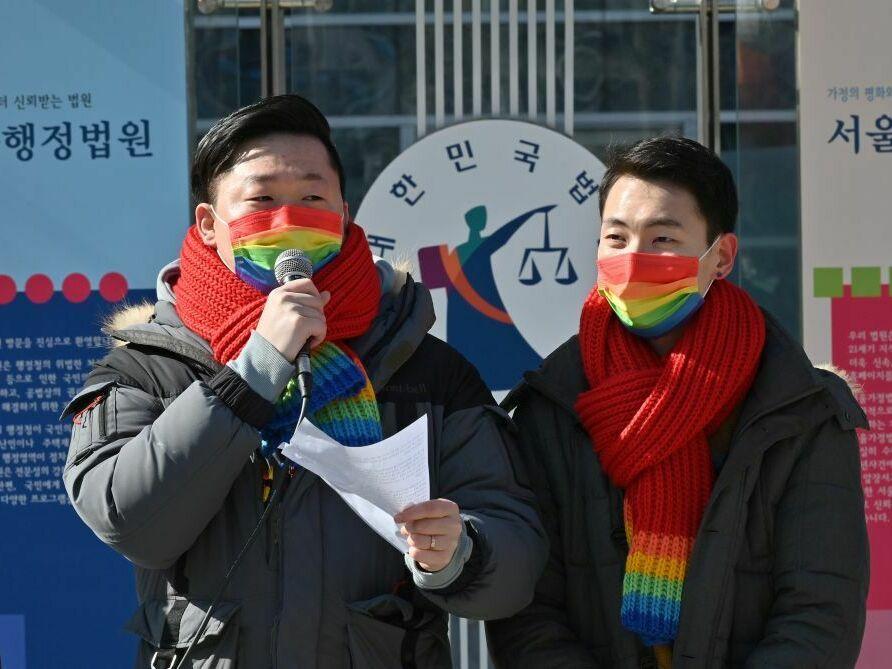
<point>856,388</point>
<point>128,315</point>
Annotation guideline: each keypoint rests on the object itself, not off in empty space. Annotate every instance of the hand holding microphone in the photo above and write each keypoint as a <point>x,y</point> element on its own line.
<point>293,319</point>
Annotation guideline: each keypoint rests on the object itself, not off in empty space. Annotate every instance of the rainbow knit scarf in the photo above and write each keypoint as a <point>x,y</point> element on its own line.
<point>217,305</point>
<point>342,404</point>
<point>648,418</point>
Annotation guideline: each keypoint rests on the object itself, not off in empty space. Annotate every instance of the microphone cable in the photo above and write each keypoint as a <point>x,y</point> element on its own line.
<point>275,497</point>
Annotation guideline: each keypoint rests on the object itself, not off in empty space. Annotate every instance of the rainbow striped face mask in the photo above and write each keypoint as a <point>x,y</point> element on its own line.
<point>259,237</point>
<point>652,294</point>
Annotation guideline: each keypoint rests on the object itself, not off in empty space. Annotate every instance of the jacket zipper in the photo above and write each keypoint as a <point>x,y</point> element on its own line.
<point>723,593</point>
<point>278,548</point>
<point>96,405</point>
<point>103,418</point>
<point>710,649</point>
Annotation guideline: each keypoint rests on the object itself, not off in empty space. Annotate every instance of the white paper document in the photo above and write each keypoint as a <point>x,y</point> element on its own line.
<point>377,481</point>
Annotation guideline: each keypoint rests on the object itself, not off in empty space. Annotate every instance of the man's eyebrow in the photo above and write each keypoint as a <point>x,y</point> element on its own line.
<point>267,178</point>
<point>653,223</point>
<point>616,221</point>
<point>664,223</point>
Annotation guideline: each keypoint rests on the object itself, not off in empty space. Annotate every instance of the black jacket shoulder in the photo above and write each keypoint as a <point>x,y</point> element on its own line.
<point>560,378</point>
<point>849,414</point>
<point>437,373</point>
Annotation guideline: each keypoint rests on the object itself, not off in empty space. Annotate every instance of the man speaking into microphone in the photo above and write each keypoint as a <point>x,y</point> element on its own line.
<point>173,457</point>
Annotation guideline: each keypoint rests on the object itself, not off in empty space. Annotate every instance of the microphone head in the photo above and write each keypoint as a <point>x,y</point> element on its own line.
<point>293,264</point>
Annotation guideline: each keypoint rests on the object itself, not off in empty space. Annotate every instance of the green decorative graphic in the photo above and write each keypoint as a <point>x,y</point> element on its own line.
<point>828,281</point>
<point>865,281</point>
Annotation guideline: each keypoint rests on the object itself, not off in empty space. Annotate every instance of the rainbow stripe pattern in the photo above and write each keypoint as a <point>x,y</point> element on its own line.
<point>653,583</point>
<point>258,238</point>
<point>343,402</point>
<point>650,293</point>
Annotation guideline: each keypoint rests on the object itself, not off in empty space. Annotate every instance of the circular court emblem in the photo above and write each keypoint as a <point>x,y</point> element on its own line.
<point>500,220</point>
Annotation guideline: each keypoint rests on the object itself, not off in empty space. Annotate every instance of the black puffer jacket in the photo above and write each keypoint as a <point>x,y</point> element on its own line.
<point>779,572</point>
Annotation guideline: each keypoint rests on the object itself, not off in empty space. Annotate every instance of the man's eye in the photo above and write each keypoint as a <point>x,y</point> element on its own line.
<point>312,198</point>
<point>260,198</point>
<point>614,237</point>
<point>663,240</point>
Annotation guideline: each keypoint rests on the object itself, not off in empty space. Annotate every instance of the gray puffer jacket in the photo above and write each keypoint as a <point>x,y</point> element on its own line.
<point>163,467</point>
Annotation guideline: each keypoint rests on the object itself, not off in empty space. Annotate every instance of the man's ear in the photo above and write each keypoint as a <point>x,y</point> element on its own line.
<point>728,246</point>
<point>204,221</point>
<point>345,219</point>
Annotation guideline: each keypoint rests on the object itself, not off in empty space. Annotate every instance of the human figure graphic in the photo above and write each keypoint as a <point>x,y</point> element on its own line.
<point>477,323</point>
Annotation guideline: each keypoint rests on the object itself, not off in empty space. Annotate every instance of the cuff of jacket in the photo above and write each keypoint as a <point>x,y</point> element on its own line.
<point>235,393</point>
<point>263,367</point>
<point>449,574</point>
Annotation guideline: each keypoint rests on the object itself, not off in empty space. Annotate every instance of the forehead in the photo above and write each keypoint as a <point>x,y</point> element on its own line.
<point>635,200</point>
<point>279,156</point>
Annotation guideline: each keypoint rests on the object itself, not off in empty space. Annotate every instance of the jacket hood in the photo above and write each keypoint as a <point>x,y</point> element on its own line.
<point>405,316</point>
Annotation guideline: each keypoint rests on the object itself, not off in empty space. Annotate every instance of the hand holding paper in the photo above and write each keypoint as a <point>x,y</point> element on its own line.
<point>432,529</point>
<point>377,481</point>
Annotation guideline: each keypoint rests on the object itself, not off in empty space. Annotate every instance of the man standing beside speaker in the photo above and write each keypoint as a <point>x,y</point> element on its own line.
<point>699,478</point>
<point>172,453</point>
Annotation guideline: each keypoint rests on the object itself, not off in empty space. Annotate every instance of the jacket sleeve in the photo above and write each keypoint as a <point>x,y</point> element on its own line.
<point>821,565</point>
<point>473,467</point>
<point>148,478</point>
<point>540,635</point>
<point>509,546</point>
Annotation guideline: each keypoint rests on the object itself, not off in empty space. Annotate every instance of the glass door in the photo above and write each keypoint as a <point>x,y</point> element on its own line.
<point>746,111</point>
<point>760,144</point>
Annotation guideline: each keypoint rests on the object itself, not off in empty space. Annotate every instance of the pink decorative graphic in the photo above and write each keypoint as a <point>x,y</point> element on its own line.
<point>39,288</point>
<point>7,289</point>
<point>113,287</point>
<point>76,288</point>
<point>862,345</point>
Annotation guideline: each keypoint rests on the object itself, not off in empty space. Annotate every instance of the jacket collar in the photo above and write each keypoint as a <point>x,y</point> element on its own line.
<point>560,379</point>
<point>785,376</point>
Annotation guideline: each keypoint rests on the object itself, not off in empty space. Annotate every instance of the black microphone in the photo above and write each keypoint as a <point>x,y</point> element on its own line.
<point>291,265</point>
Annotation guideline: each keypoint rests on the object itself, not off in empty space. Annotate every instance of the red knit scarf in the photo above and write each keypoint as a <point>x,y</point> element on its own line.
<point>649,418</point>
<point>218,306</point>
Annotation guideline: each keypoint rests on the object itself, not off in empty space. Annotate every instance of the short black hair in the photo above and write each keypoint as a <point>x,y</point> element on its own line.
<point>217,151</point>
<point>681,162</point>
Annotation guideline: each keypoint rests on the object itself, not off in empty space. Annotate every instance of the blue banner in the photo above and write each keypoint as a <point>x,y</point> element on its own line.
<point>94,157</point>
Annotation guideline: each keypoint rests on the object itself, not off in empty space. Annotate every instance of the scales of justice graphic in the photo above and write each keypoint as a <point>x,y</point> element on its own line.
<point>564,273</point>
<point>477,320</point>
